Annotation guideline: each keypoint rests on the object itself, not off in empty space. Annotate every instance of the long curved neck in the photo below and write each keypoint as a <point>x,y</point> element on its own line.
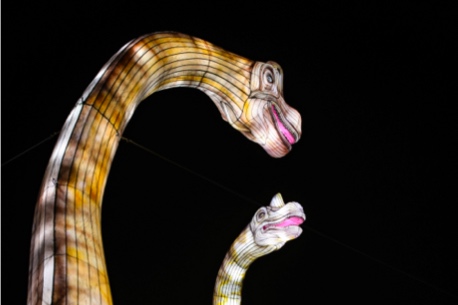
<point>67,263</point>
<point>242,253</point>
<point>161,61</point>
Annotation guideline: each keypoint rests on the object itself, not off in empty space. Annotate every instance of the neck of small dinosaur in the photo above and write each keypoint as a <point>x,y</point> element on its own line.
<point>242,253</point>
<point>67,263</point>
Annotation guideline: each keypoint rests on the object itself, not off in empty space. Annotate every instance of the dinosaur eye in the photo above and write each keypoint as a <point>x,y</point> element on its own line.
<point>261,215</point>
<point>270,78</point>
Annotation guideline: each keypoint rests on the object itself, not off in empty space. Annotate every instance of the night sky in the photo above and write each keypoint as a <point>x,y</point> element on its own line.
<point>374,170</point>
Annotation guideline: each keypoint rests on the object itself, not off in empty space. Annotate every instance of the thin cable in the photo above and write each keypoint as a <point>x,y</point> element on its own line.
<point>255,203</point>
<point>192,172</point>
<point>412,277</point>
<point>29,149</point>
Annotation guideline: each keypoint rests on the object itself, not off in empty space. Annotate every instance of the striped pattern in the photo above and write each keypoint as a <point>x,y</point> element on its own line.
<point>254,242</point>
<point>67,264</point>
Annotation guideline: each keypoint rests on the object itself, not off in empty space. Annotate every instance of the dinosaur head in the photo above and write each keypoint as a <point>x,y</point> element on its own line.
<point>264,117</point>
<point>276,224</point>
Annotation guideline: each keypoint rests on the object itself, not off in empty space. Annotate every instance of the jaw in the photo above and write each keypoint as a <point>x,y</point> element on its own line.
<point>282,226</point>
<point>263,115</point>
<point>284,129</point>
<point>272,124</point>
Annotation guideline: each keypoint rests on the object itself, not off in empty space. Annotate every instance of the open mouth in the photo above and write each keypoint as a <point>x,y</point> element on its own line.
<point>288,222</point>
<point>287,133</point>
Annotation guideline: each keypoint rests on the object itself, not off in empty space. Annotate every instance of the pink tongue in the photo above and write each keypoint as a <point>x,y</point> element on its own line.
<point>283,129</point>
<point>292,221</point>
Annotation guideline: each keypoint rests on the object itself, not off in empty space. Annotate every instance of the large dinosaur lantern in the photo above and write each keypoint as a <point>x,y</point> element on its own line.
<point>67,262</point>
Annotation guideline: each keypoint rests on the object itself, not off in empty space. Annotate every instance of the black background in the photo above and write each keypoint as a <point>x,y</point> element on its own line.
<point>374,170</point>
